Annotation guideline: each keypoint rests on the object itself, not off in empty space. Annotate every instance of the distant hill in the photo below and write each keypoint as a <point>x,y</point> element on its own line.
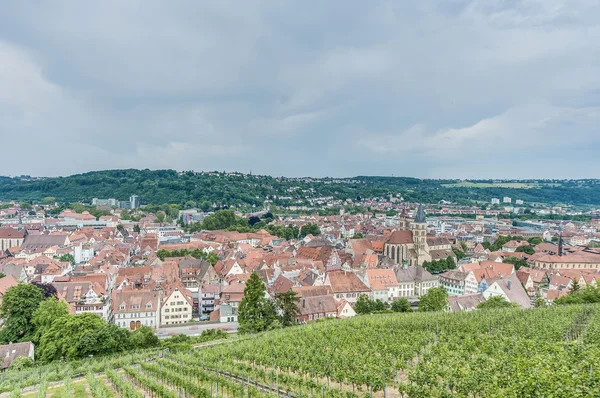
<point>170,186</point>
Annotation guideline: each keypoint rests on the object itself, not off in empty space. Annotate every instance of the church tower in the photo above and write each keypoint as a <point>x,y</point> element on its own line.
<point>404,221</point>
<point>20,224</point>
<point>419,230</point>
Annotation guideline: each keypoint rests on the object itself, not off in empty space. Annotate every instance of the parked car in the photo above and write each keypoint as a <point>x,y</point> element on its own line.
<point>204,317</point>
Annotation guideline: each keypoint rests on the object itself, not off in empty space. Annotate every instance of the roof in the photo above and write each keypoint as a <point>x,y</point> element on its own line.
<point>514,291</point>
<point>43,241</point>
<point>317,305</point>
<point>400,238</point>
<point>135,301</point>
<point>311,291</point>
<point>381,279</point>
<point>465,302</point>
<point>411,274</point>
<point>346,282</point>
<point>420,217</point>
<point>10,352</point>
<point>11,233</point>
<point>6,283</point>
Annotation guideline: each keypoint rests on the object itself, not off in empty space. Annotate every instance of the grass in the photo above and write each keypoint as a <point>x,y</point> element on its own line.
<point>469,184</point>
<point>76,390</point>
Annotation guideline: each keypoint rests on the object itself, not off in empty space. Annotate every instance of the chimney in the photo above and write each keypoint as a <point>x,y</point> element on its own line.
<point>509,284</point>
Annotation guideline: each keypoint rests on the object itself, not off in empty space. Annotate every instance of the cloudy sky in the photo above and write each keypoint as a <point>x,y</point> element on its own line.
<point>453,88</point>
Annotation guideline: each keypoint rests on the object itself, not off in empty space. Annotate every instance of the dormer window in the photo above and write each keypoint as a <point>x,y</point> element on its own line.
<point>149,305</point>
<point>122,307</point>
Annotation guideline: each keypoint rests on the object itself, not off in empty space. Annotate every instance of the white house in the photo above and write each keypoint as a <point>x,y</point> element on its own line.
<point>177,306</point>
<point>133,309</point>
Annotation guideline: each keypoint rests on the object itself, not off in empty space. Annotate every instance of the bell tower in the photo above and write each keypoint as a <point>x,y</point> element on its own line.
<point>419,228</point>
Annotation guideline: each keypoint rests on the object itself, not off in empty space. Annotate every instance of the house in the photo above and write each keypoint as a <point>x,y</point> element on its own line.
<point>510,289</point>
<point>383,284</point>
<point>526,281</point>
<point>466,302</point>
<point>177,305</point>
<point>85,297</point>
<point>196,272</point>
<point>10,352</point>
<point>33,242</point>
<point>415,281</point>
<point>345,310</point>
<point>133,309</point>
<point>231,298</point>
<point>316,307</point>
<point>207,297</point>
<point>458,283</point>
<point>512,245</point>
<point>346,285</point>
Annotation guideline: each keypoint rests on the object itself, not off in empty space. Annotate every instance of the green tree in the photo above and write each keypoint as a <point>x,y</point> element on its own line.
<point>363,304</point>
<point>525,249</point>
<point>49,200</point>
<point>18,305</point>
<point>575,287</point>
<point>358,235</point>
<point>136,228</point>
<point>160,217</point>
<point>253,220</point>
<point>20,363</point>
<point>496,302</point>
<point>255,313</point>
<point>287,303</point>
<point>401,305</point>
<point>79,336</point>
<point>144,337</point>
<point>68,258</point>
<point>2,275</point>
<point>25,206</point>
<point>125,215</point>
<point>535,241</point>
<point>310,229</point>
<point>540,302</point>
<point>47,312</point>
<point>434,300</point>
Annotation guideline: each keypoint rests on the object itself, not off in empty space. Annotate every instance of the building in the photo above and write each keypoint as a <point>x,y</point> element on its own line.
<point>581,260</point>
<point>467,302</point>
<point>10,352</point>
<point>415,281</point>
<point>506,200</point>
<point>346,285</point>
<point>458,283</point>
<point>408,245</point>
<point>510,289</point>
<point>133,309</point>
<point>134,201</point>
<point>85,297</point>
<point>495,201</point>
<point>231,298</point>
<point>176,306</point>
<point>10,237</point>
<point>519,202</point>
<point>383,284</point>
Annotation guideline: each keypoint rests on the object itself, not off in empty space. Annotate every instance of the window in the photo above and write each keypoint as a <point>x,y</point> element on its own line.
<point>149,305</point>
<point>166,310</point>
<point>227,297</point>
<point>122,307</point>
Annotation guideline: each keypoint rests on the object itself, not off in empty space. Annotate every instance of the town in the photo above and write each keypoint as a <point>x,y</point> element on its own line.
<point>135,268</point>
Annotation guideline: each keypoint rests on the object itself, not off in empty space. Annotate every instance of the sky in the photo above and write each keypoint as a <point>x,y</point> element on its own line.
<point>430,89</point>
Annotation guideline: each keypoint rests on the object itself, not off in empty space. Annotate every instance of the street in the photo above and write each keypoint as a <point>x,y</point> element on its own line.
<point>196,329</point>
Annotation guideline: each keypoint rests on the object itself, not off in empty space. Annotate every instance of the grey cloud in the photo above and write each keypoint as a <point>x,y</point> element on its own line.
<point>433,89</point>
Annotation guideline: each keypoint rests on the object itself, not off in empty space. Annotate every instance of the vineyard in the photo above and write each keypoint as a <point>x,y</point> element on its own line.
<point>549,352</point>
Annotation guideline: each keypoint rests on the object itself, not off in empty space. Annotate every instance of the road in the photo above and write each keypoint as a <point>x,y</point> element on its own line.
<point>195,330</point>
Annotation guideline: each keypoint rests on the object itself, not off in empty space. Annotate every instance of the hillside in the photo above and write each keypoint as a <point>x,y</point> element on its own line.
<point>169,186</point>
<point>551,352</point>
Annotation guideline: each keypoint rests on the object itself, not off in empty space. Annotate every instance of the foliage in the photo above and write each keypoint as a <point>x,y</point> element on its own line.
<point>364,305</point>
<point>434,300</point>
<point>525,249</point>
<point>518,263</point>
<point>439,266</point>
<point>68,258</point>
<point>47,312</point>
<point>310,229</point>
<point>255,314</point>
<point>211,257</point>
<point>20,363</point>
<point>143,337</point>
<point>169,186</point>
<point>496,302</point>
<point>575,287</point>
<point>587,295</point>
<point>459,253</point>
<point>358,235</point>
<point>287,305</point>
<point>18,306</point>
<point>401,305</point>
<point>79,336</point>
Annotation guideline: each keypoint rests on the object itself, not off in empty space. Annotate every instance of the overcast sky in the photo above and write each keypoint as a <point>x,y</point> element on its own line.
<point>452,88</point>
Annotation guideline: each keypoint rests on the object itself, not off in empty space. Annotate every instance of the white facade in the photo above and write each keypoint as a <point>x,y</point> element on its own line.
<point>176,309</point>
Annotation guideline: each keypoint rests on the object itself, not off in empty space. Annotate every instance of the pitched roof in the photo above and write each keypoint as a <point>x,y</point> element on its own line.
<point>346,282</point>
<point>10,352</point>
<point>11,233</point>
<point>465,302</point>
<point>317,305</point>
<point>381,279</point>
<point>400,238</point>
<point>420,217</point>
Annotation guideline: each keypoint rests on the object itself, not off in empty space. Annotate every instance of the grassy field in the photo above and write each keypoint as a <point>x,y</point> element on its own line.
<point>469,184</point>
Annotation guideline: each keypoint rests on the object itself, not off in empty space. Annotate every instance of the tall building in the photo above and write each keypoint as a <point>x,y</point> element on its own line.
<point>507,200</point>
<point>495,201</point>
<point>135,201</point>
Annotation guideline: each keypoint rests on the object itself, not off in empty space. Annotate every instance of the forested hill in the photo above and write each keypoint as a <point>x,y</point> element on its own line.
<point>169,186</point>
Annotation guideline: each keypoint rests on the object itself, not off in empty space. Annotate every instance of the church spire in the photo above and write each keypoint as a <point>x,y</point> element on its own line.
<point>420,218</point>
<point>20,224</point>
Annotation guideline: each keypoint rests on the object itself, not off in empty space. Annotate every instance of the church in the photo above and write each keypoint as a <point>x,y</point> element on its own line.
<point>410,245</point>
